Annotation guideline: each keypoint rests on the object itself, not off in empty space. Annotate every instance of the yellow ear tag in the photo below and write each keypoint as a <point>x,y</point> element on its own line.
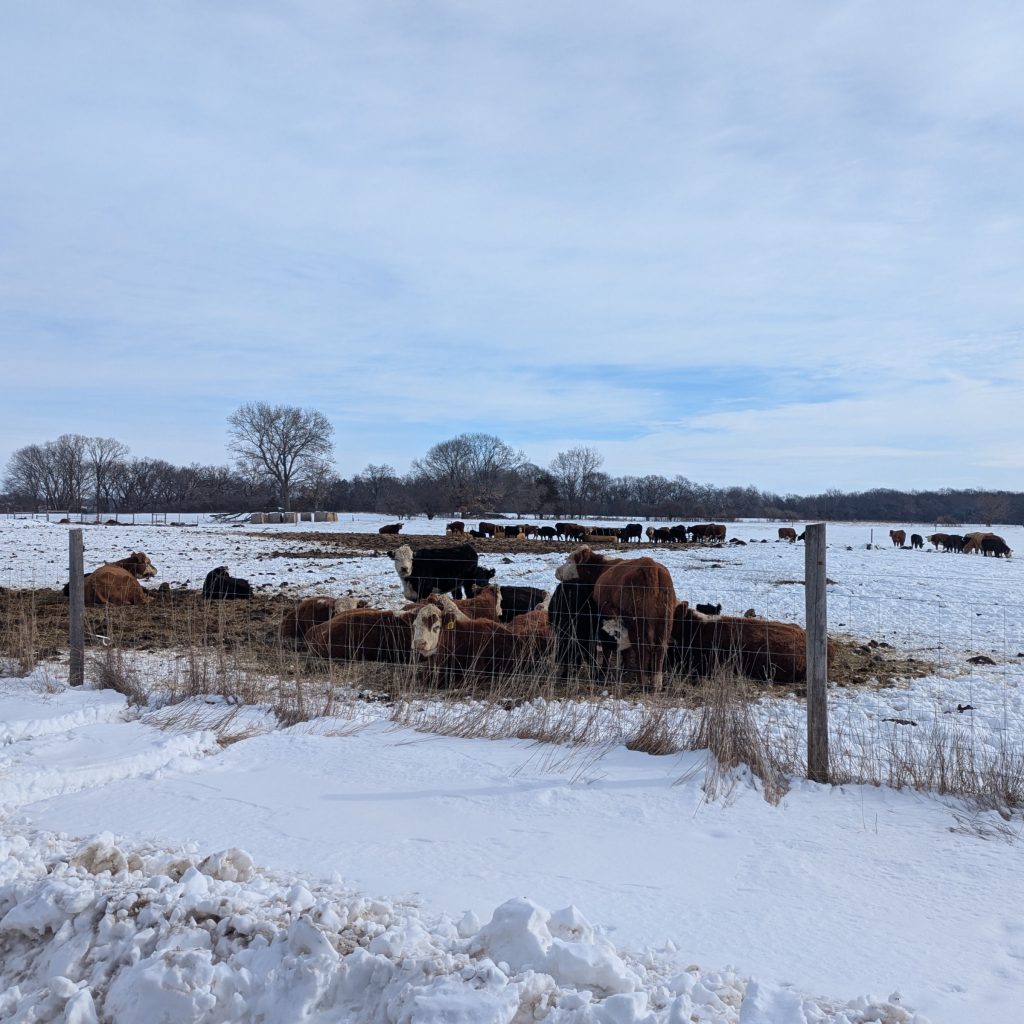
<point>450,624</point>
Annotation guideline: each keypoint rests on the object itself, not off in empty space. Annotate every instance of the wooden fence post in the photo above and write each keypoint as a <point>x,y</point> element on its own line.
<point>76,599</point>
<point>817,652</point>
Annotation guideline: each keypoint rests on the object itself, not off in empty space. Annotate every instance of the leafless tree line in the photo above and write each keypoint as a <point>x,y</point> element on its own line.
<point>471,474</point>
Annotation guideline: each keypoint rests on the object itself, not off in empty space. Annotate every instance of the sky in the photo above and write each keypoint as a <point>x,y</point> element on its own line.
<point>777,245</point>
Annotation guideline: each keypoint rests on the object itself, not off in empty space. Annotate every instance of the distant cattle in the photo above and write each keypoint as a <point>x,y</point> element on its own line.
<point>364,634</point>
<point>916,540</point>
<point>631,531</point>
<point>787,533</point>
<point>635,600</point>
<point>312,611</point>
<point>899,537</point>
<point>939,540</point>
<point>391,528</point>
<point>708,533</point>
<point>445,570</point>
<point>112,585</point>
<point>709,609</point>
<point>995,545</point>
<point>659,534</point>
<point>487,529</point>
<point>547,533</point>
<point>220,585</point>
<point>455,527</point>
<point>954,542</point>
<point>758,648</point>
<point>679,533</point>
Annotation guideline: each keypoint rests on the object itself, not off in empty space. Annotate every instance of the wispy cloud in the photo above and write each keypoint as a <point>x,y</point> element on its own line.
<point>678,232</point>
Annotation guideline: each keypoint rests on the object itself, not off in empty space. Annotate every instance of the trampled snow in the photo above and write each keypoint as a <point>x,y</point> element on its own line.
<point>350,870</point>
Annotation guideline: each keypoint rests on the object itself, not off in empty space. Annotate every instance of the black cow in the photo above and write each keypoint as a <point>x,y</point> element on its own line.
<point>709,609</point>
<point>443,570</point>
<point>916,540</point>
<point>518,600</point>
<point>995,546</point>
<point>220,585</point>
<point>576,625</point>
<point>632,531</point>
<point>547,533</point>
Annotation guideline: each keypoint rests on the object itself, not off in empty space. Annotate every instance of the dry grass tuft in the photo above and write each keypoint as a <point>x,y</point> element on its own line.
<point>728,729</point>
<point>112,671</point>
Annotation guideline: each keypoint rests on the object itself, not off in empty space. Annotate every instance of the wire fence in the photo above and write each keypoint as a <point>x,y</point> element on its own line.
<point>925,670</point>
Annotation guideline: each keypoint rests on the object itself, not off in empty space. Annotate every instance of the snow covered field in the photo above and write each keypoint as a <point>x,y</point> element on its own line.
<point>346,869</point>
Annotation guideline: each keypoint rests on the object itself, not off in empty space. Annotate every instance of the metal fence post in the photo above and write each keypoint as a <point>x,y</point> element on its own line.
<point>817,653</point>
<point>76,599</point>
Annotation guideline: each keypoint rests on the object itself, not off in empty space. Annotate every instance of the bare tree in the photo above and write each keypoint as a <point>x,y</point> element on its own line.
<point>473,471</point>
<point>380,481</point>
<point>577,474</point>
<point>279,441</point>
<point>102,455</point>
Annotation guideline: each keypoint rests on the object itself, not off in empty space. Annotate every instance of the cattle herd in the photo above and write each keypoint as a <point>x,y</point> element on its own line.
<point>702,533</point>
<point>604,615</point>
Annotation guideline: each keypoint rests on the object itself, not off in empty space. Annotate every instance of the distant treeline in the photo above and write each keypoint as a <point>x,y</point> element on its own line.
<point>468,476</point>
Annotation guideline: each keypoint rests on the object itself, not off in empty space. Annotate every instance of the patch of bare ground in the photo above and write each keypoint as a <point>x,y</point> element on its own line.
<point>248,634</point>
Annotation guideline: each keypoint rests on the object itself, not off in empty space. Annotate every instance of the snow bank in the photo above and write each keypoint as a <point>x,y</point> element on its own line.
<point>104,932</point>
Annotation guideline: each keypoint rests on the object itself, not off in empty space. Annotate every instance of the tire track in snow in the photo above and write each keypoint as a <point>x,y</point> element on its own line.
<point>89,755</point>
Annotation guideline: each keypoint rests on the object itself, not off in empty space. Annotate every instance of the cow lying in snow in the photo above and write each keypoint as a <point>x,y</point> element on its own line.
<point>137,563</point>
<point>635,601</point>
<point>758,648</point>
<point>117,583</point>
<point>112,585</point>
<point>366,634</point>
<point>220,585</point>
<point>312,611</point>
<point>470,648</point>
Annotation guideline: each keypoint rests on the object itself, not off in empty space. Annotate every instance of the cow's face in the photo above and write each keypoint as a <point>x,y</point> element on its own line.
<point>403,561</point>
<point>141,565</point>
<point>568,571</point>
<point>426,630</point>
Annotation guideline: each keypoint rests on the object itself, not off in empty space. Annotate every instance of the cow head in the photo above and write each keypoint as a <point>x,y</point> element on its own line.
<point>569,570</point>
<point>426,630</point>
<point>483,576</point>
<point>403,562</point>
<point>138,564</point>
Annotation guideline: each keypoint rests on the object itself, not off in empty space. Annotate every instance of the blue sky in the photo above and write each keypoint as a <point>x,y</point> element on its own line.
<point>771,244</point>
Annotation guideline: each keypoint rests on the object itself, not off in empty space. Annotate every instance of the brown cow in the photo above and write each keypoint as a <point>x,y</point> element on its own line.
<point>474,647</point>
<point>787,533</point>
<point>484,604</point>
<point>973,541</point>
<point>367,634</point>
<point>456,527</point>
<point>635,600</point>
<point>138,564</point>
<point>761,649</point>
<point>112,585</point>
<point>938,539</point>
<point>899,537</point>
<point>312,611</point>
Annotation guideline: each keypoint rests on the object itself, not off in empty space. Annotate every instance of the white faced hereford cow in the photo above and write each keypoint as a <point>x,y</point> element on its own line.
<point>635,603</point>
